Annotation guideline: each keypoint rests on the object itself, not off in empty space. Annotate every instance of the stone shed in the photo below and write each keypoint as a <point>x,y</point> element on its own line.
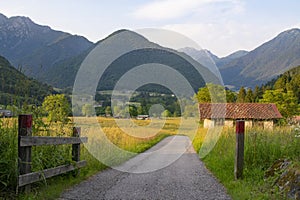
<point>261,114</point>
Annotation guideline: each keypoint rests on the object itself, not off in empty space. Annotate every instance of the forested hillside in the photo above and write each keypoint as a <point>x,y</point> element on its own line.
<point>17,89</point>
<point>290,80</point>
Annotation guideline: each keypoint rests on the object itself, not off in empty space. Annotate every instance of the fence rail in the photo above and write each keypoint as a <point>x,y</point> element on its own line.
<point>26,141</point>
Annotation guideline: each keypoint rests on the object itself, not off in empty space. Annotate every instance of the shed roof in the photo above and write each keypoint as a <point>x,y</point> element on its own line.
<point>239,111</point>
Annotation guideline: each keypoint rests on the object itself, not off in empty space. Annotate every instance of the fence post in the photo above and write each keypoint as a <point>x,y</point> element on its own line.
<point>239,152</point>
<point>76,147</point>
<point>24,153</point>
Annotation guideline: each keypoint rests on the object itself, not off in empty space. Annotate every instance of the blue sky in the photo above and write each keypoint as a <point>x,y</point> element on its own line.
<point>222,26</point>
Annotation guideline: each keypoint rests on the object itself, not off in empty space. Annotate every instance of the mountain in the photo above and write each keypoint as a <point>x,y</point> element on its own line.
<point>206,57</point>
<point>227,59</point>
<point>265,62</point>
<point>17,89</point>
<point>236,54</point>
<point>36,48</point>
<point>54,57</point>
<point>203,56</point>
<point>200,55</point>
<point>151,53</point>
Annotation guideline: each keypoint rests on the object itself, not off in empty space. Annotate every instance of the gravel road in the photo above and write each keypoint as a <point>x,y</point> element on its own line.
<point>186,178</point>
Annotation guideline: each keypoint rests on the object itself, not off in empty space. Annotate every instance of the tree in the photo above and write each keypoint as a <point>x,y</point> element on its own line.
<point>76,110</point>
<point>166,113</point>
<point>133,111</point>
<point>140,110</point>
<point>203,95</point>
<point>242,95</point>
<point>230,96</point>
<point>57,107</point>
<point>108,111</point>
<point>87,110</point>
<point>249,98</point>
<point>286,102</point>
<point>190,110</point>
<point>211,93</point>
<point>117,110</point>
<point>257,94</point>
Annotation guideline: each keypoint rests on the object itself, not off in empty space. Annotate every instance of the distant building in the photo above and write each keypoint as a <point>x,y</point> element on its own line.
<point>6,113</point>
<point>261,114</point>
<point>143,117</point>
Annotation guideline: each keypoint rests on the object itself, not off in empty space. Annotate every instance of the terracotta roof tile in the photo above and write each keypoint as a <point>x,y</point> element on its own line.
<point>239,111</point>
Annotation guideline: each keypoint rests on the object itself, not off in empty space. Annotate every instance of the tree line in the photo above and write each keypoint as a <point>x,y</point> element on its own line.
<point>284,92</point>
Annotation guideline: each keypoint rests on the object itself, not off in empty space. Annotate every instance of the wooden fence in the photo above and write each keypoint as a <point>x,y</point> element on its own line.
<point>26,141</point>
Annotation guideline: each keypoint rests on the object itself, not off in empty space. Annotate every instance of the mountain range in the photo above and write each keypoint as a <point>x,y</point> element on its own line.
<point>54,57</point>
<point>258,66</point>
<point>35,48</point>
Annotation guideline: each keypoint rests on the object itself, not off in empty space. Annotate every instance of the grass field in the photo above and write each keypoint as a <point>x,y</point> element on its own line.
<point>51,156</point>
<point>262,148</point>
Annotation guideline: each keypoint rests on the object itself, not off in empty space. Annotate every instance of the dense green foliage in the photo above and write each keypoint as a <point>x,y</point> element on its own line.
<point>140,104</point>
<point>289,81</point>
<point>57,108</point>
<point>284,92</point>
<point>17,89</point>
<point>215,93</point>
<point>8,157</point>
<point>286,102</point>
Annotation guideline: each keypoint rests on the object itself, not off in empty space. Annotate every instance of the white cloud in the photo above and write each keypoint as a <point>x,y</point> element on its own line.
<point>173,9</point>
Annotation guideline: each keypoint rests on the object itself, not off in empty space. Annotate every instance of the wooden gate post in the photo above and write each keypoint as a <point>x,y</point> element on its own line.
<point>76,147</point>
<point>24,153</point>
<point>239,152</point>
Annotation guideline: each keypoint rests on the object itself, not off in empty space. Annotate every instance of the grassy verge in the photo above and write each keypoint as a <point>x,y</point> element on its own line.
<point>262,149</point>
<point>50,156</point>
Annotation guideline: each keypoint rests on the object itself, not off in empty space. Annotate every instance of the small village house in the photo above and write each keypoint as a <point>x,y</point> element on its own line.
<point>261,114</point>
<point>6,113</point>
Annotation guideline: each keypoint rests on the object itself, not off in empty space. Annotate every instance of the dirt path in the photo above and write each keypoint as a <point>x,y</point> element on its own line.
<point>186,178</point>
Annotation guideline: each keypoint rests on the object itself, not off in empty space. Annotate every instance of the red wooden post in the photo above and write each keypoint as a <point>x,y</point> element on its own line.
<point>76,147</point>
<point>239,153</point>
<point>24,153</point>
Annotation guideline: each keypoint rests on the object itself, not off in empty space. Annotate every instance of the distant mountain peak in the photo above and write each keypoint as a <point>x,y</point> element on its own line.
<point>30,45</point>
<point>290,33</point>
<point>237,54</point>
<point>3,18</point>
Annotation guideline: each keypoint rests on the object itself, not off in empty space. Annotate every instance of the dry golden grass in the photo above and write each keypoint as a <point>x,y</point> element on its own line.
<point>126,133</point>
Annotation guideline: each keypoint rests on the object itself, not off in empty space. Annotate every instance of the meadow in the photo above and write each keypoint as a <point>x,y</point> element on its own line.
<point>262,149</point>
<point>50,156</point>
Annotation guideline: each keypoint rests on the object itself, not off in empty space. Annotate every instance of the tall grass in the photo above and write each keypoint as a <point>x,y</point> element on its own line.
<point>262,148</point>
<point>50,156</point>
<point>42,156</point>
<point>8,155</point>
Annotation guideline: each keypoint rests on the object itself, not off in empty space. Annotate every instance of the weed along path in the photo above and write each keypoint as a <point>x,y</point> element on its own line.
<point>186,178</point>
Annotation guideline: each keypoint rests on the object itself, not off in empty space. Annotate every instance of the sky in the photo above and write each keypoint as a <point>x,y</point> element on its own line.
<point>221,26</point>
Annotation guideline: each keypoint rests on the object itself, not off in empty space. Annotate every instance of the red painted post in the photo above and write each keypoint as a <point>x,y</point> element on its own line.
<point>239,153</point>
<point>24,153</point>
<point>76,148</point>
